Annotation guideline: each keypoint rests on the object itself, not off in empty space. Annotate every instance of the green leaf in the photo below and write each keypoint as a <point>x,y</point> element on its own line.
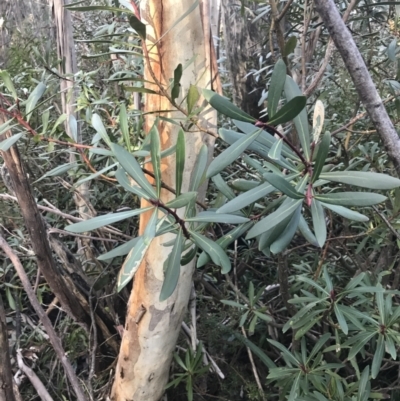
<point>223,187</point>
<point>121,250</point>
<point>284,240</point>
<point>280,183</point>
<point>285,210</point>
<point>318,218</point>
<point>138,26</point>
<point>347,213</point>
<point>192,98</point>
<point>155,151</point>
<point>224,106</point>
<point>322,154</point>
<point>352,198</point>
<point>199,169</point>
<point>181,200</point>
<point>289,111</point>
<point>5,77</point>
<point>290,45</point>
<point>247,198</point>
<point>176,88</point>
<point>216,253</point>
<point>278,78</point>
<point>225,240</point>
<point>340,318</point>
<point>233,303</point>
<point>122,179</point>
<point>101,221</point>
<point>272,234</point>
<point>123,125</point>
<point>307,233</point>
<point>99,127</point>
<point>285,352</point>
<point>362,387</point>
<point>213,217</point>
<point>276,150</point>
<point>173,268</point>
<point>378,356</point>
<point>132,167</point>
<point>301,121</point>
<point>317,347</point>
<point>59,170</point>
<point>7,143</point>
<point>136,255</point>
<point>229,155</point>
<point>362,179</point>
<point>180,161</point>
<point>257,351</point>
<point>33,98</point>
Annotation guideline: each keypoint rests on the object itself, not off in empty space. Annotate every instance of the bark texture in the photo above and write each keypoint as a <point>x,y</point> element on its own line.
<point>152,327</point>
<point>6,379</point>
<point>362,80</point>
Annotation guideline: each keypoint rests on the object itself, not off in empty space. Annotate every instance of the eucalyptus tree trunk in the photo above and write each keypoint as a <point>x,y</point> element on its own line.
<point>152,327</point>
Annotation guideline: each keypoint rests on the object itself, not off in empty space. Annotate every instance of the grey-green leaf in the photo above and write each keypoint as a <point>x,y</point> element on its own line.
<point>228,156</point>
<point>345,212</point>
<point>362,179</point>
<point>180,161</point>
<point>173,268</point>
<point>192,98</point>
<point>276,150</point>
<point>122,178</point>
<point>352,198</point>
<point>198,172</point>
<point>282,185</point>
<point>101,221</point>
<point>99,127</point>
<point>213,217</point>
<point>33,98</point>
<point>121,250</point>
<point>289,111</point>
<point>318,218</point>
<point>155,151</point>
<point>224,106</point>
<point>181,200</point>
<point>7,143</point>
<point>321,156</point>
<point>132,167</point>
<point>278,78</point>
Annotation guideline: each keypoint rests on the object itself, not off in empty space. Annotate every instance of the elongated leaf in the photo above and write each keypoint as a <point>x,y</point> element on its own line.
<point>276,150</point>
<point>180,161</point>
<point>123,125</point>
<point>192,98</point>
<point>247,198</point>
<point>285,352</point>
<point>347,213</point>
<point>33,98</point>
<point>301,121</point>
<point>223,187</point>
<point>199,169</point>
<point>182,200</point>
<point>213,217</point>
<point>136,255</point>
<point>173,268</point>
<point>216,253</point>
<point>307,233</point>
<point>284,240</point>
<point>272,234</point>
<point>278,78</point>
<point>101,221</point>
<point>322,154</point>
<point>99,127</point>
<point>121,250</point>
<point>361,340</point>
<point>224,106</point>
<point>155,151</point>
<point>7,143</point>
<point>123,180</point>
<point>138,26</point>
<point>378,356</point>
<point>362,179</point>
<point>290,45</point>
<point>318,217</point>
<point>132,167</point>
<point>352,198</point>
<point>362,387</point>
<point>225,241</point>
<point>320,343</point>
<point>257,351</point>
<point>340,318</point>
<point>5,77</point>
<point>285,210</point>
<point>229,155</point>
<point>95,175</point>
<point>289,111</point>
<point>59,170</point>
<point>280,183</point>
<point>176,88</point>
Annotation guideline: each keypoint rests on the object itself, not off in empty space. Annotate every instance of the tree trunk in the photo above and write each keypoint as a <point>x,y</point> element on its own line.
<point>152,327</point>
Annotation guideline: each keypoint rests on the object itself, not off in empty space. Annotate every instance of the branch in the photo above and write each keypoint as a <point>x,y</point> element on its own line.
<point>54,339</point>
<point>361,78</point>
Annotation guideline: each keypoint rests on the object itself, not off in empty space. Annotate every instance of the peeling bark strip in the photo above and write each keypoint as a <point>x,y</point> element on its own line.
<point>152,327</point>
<point>362,80</point>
